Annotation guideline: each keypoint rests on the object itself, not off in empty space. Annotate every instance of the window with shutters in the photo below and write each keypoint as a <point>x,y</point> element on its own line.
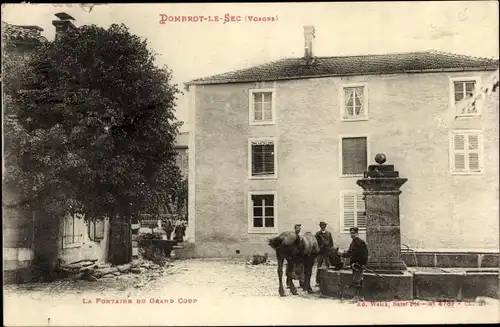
<point>462,91</point>
<point>353,155</point>
<point>96,230</point>
<point>353,212</point>
<point>71,235</point>
<point>466,152</point>
<point>262,158</point>
<point>262,106</point>
<point>354,102</point>
<point>262,212</point>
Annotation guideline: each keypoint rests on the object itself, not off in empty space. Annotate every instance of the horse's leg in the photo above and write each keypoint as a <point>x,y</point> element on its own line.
<point>289,272</point>
<point>281,260</point>
<point>308,268</point>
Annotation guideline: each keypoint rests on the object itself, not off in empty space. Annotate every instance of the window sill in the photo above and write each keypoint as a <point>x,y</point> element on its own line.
<point>352,176</point>
<point>344,119</point>
<point>468,115</point>
<point>263,177</point>
<point>347,232</point>
<point>465,173</point>
<point>263,123</point>
<point>263,231</point>
<point>71,246</point>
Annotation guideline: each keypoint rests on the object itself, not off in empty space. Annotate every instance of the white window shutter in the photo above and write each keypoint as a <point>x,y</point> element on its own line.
<point>458,157</point>
<point>474,159</point>
<point>349,211</point>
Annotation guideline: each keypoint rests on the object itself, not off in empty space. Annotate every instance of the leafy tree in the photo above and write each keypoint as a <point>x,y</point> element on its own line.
<point>98,117</point>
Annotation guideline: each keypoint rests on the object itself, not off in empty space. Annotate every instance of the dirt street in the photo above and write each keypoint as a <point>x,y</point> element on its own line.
<point>203,292</point>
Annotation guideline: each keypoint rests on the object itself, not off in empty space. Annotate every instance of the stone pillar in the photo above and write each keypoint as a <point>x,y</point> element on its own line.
<point>381,185</point>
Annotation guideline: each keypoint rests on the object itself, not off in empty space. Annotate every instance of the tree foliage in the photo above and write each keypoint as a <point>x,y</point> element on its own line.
<point>99,124</point>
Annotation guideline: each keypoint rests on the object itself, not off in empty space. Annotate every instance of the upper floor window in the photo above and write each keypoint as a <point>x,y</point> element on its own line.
<point>462,91</point>
<point>466,152</point>
<point>353,155</point>
<point>354,105</point>
<point>263,161</point>
<point>262,106</point>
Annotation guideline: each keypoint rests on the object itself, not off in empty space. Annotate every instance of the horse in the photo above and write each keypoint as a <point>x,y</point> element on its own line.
<point>295,249</point>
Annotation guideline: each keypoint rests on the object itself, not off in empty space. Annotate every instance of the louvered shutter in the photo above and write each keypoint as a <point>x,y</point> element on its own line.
<point>458,157</point>
<point>473,152</point>
<point>349,211</point>
<point>360,212</point>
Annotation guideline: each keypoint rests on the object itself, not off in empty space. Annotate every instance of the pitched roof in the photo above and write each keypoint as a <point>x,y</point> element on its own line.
<point>296,68</point>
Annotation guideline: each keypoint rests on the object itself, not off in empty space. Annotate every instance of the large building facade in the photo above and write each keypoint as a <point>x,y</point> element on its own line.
<point>285,142</point>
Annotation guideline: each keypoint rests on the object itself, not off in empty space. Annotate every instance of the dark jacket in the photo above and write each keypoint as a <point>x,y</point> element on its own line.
<point>358,251</point>
<point>325,240</point>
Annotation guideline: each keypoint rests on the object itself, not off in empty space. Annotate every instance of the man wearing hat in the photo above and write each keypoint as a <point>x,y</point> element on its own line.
<point>325,242</point>
<point>358,255</point>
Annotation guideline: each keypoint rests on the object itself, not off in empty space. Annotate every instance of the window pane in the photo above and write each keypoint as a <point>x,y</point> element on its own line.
<point>257,97</point>
<point>459,97</point>
<point>459,87</point>
<point>269,222</point>
<point>269,212</point>
<point>258,111</point>
<point>354,156</point>
<point>267,97</point>
<point>257,222</point>
<point>257,200</point>
<point>469,87</point>
<point>268,111</point>
<point>257,211</point>
<point>269,199</point>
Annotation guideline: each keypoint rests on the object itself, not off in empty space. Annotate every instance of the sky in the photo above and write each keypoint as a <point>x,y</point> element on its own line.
<point>198,49</point>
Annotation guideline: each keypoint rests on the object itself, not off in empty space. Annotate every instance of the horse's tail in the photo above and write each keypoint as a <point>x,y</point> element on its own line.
<point>275,241</point>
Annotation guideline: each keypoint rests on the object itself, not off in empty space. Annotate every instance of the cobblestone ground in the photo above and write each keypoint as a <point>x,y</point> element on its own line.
<point>204,292</point>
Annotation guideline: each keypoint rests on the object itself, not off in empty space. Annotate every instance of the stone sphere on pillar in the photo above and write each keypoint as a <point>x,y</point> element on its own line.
<point>380,158</point>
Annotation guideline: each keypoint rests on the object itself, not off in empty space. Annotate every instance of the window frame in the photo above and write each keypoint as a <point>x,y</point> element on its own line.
<point>249,154</point>
<point>91,230</point>
<point>77,234</point>
<point>478,86</point>
<point>262,230</point>
<point>368,153</point>
<point>452,151</point>
<point>343,193</point>
<point>343,111</point>
<point>251,104</point>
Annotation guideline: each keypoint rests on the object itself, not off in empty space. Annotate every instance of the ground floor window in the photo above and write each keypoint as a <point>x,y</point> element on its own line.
<point>353,213</point>
<point>71,236</point>
<point>96,230</point>
<point>262,212</point>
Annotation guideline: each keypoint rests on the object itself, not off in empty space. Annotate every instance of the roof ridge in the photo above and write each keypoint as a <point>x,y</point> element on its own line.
<point>461,55</point>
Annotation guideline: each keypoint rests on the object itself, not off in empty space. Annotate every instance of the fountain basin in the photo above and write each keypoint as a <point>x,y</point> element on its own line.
<point>415,283</point>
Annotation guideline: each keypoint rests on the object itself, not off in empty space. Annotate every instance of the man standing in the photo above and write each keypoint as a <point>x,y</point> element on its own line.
<point>358,255</point>
<point>325,242</point>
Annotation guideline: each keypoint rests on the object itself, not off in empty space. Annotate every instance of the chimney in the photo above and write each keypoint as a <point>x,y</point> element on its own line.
<point>63,24</point>
<point>309,43</point>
